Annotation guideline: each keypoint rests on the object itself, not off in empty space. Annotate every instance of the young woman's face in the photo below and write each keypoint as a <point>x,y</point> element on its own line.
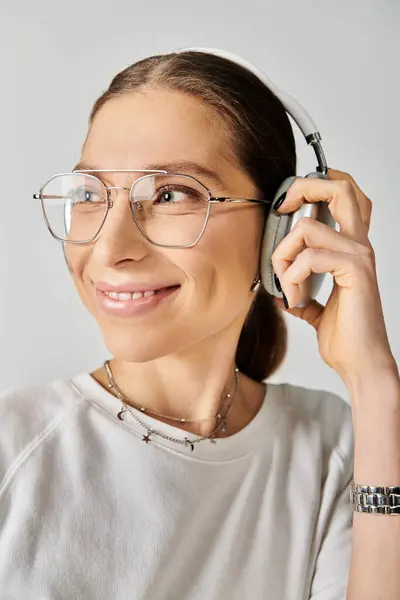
<point>214,277</point>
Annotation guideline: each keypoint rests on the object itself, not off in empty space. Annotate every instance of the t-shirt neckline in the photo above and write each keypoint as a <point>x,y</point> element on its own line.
<point>256,433</point>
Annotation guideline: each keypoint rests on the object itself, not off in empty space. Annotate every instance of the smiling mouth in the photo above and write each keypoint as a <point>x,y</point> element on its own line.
<point>126,296</point>
<point>130,304</point>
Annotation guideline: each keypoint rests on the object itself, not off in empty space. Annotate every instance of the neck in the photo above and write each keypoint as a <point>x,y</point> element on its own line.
<point>181,387</point>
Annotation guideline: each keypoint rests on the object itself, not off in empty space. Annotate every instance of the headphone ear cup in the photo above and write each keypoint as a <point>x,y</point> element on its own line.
<point>276,228</point>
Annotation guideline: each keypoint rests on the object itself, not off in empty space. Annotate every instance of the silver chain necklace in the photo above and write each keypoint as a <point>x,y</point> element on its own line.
<point>152,432</point>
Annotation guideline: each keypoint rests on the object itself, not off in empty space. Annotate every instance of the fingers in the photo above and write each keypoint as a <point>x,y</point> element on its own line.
<point>308,233</point>
<point>364,203</point>
<point>313,247</point>
<point>348,269</point>
<point>341,199</point>
<point>311,313</point>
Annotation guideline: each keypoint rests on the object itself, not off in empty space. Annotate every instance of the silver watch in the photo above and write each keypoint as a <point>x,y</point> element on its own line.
<point>381,500</point>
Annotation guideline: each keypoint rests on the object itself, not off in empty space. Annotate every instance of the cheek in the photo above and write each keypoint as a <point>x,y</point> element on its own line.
<point>236,243</point>
<point>77,258</point>
<point>225,259</point>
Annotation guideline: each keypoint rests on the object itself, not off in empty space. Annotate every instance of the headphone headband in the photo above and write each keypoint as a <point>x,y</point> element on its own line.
<point>294,108</point>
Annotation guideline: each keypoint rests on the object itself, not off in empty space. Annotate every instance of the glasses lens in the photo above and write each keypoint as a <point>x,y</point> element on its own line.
<point>75,206</point>
<point>170,209</point>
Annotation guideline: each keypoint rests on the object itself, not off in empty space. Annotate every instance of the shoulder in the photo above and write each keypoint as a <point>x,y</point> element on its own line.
<point>27,415</point>
<point>321,412</point>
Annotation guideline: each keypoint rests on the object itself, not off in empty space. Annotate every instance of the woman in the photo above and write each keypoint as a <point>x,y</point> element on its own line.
<point>175,471</point>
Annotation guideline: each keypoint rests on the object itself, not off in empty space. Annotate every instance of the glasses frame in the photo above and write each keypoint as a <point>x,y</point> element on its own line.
<point>110,203</point>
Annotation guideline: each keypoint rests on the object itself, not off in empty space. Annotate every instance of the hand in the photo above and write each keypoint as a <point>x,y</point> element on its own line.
<point>352,337</point>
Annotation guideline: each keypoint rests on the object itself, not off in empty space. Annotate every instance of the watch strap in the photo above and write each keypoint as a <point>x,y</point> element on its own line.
<point>383,500</point>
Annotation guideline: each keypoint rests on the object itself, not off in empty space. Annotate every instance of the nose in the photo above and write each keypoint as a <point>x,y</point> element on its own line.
<point>120,223</point>
<point>115,187</point>
<point>120,238</point>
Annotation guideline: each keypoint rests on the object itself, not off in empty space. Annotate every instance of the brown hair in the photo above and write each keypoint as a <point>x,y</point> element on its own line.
<point>263,143</point>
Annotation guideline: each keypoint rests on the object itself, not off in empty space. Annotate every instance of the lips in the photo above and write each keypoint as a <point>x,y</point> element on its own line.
<point>136,304</point>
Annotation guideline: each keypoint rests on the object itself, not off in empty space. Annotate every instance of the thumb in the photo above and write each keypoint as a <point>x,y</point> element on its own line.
<point>311,313</point>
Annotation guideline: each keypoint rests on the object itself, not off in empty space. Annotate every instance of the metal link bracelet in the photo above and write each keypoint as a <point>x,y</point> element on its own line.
<point>381,500</point>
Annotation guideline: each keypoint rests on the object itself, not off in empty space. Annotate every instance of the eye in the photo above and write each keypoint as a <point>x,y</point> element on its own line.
<point>173,194</point>
<point>85,195</point>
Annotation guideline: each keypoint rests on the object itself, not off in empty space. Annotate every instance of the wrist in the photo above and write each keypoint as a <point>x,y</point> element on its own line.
<point>375,401</point>
<point>374,382</point>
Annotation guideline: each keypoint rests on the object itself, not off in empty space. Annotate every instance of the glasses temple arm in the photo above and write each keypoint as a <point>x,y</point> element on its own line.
<point>230,199</point>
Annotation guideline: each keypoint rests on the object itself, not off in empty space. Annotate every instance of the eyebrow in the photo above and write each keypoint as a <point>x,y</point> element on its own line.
<point>176,167</point>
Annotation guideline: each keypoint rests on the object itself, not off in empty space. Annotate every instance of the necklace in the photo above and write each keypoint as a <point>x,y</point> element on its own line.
<point>152,432</point>
<point>142,409</point>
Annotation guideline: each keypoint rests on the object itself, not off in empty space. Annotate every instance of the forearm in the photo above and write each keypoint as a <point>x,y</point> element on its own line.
<point>375,559</point>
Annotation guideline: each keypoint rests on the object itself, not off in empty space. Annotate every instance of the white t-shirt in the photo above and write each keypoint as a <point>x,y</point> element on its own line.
<point>88,510</point>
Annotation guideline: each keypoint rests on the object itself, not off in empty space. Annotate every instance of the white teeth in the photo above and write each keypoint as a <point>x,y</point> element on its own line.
<point>123,296</point>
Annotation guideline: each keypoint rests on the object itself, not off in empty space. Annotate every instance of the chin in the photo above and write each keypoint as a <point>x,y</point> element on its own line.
<point>139,347</point>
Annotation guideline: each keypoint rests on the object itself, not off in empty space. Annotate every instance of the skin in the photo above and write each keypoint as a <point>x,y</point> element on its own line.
<point>178,359</point>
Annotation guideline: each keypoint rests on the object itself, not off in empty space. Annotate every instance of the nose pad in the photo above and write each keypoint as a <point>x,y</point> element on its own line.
<point>115,187</point>
<point>133,207</point>
<point>137,205</point>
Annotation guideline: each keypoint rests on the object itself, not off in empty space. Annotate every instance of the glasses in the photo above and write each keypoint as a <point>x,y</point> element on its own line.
<point>169,209</point>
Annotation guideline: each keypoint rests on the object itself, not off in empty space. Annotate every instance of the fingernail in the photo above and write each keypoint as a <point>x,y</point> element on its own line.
<point>285,302</point>
<point>277,283</point>
<point>280,201</point>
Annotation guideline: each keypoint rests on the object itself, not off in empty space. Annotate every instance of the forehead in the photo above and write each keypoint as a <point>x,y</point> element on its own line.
<point>156,126</point>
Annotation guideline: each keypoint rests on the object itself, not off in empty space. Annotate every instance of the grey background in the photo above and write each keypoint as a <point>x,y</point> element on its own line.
<point>339,59</point>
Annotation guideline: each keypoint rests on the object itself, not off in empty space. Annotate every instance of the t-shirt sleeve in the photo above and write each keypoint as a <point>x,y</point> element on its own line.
<point>331,571</point>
